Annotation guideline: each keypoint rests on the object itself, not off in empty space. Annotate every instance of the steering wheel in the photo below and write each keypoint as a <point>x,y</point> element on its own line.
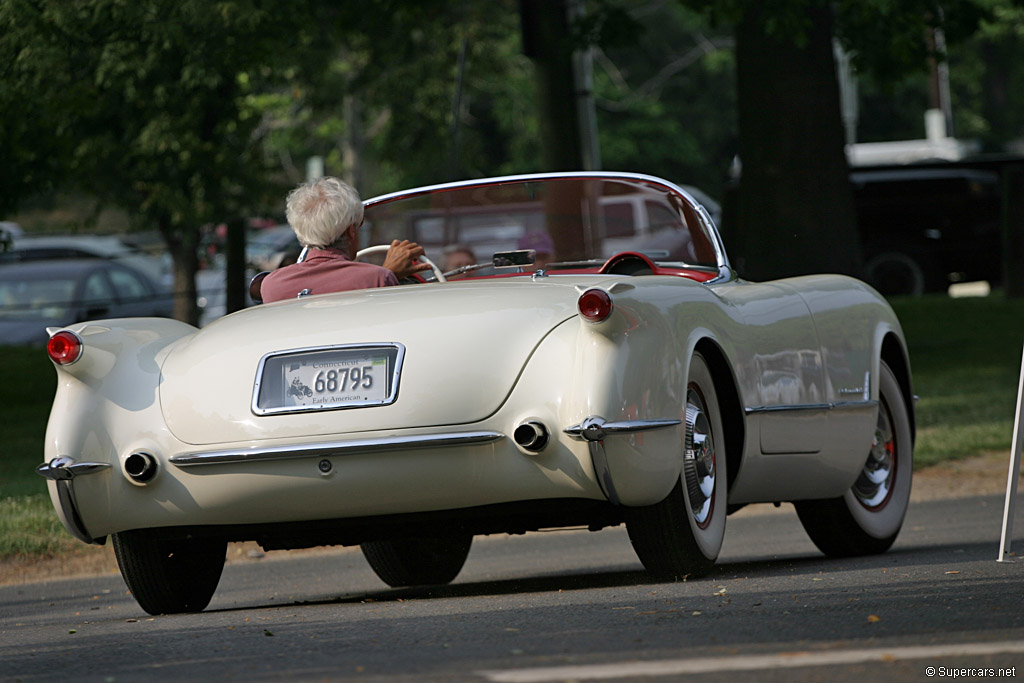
<point>376,249</point>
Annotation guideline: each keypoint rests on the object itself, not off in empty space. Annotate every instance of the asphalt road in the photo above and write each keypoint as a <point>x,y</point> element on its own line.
<point>563,606</point>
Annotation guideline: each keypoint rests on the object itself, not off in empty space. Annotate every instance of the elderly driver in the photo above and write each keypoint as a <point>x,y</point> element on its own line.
<point>326,214</point>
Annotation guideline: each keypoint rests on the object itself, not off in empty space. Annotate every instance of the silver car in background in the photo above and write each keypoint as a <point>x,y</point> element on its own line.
<point>35,295</point>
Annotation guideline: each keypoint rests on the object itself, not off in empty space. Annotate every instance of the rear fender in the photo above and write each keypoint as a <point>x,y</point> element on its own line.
<point>632,371</point>
<point>106,404</point>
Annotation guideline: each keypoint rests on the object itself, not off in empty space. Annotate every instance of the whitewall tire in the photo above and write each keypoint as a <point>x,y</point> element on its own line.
<point>868,517</point>
<point>681,536</point>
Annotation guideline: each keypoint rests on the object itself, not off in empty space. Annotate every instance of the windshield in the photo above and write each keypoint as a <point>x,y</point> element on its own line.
<point>590,217</point>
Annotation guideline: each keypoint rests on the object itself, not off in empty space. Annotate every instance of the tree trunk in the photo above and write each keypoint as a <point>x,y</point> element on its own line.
<point>545,41</point>
<point>234,270</point>
<point>795,206</point>
<point>185,264</point>
<point>353,142</point>
<point>1013,231</point>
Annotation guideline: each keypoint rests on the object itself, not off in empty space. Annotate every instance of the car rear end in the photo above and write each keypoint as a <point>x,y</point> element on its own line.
<point>376,402</point>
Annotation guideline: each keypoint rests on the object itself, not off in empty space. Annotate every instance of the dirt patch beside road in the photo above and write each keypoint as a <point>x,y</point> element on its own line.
<point>983,475</point>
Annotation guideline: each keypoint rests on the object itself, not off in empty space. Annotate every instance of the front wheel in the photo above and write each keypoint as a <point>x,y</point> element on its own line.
<point>681,536</point>
<point>169,576</point>
<point>418,561</point>
<point>867,518</point>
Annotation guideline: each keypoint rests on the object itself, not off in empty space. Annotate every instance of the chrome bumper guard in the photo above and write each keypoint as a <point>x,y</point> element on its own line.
<point>594,429</point>
<point>62,471</point>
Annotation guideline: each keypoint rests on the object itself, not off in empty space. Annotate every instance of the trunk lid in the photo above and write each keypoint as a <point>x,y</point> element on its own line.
<point>465,345</point>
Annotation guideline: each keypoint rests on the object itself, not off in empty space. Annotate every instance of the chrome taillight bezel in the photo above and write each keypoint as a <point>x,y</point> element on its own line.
<point>74,347</point>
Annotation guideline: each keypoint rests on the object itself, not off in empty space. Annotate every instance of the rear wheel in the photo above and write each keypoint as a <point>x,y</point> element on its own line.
<point>908,272</point>
<point>894,273</point>
<point>682,535</point>
<point>169,576</point>
<point>423,561</point>
<point>867,518</point>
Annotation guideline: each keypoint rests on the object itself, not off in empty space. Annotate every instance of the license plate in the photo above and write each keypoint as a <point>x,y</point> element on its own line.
<point>328,378</point>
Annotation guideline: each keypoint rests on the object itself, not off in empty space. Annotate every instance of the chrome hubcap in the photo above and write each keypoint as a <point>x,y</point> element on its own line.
<point>699,460</point>
<point>874,485</point>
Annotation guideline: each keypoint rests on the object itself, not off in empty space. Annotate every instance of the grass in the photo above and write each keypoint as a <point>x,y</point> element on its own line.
<point>29,528</point>
<point>965,355</point>
<point>28,525</point>
<point>27,385</point>
<point>966,359</point>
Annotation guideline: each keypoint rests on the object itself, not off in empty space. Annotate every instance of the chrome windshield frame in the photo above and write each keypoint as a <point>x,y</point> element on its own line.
<point>724,268</point>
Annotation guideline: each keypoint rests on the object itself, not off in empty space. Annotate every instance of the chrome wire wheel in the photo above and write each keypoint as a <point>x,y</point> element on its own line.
<point>873,487</point>
<point>699,469</point>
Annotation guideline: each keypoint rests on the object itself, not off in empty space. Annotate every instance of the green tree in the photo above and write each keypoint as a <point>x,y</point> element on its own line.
<point>146,105</point>
<point>666,97</point>
<point>987,79</point>
<point>795,207</point>
<point>412,93</point>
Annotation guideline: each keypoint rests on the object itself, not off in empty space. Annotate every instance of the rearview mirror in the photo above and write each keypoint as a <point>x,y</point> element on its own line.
<point>515,259</point>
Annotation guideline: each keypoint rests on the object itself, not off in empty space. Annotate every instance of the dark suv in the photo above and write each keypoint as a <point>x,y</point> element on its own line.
<point>924,227</point>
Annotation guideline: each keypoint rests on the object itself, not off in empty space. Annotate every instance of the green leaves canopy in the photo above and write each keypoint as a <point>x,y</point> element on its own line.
<point>144,103</point>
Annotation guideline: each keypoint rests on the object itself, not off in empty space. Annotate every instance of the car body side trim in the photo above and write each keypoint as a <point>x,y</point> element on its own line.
<point>806,407</point>
<point>335,448</point>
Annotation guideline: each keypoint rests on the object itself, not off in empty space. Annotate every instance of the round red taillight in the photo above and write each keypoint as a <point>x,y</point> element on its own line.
<point>595,305</point>
<point>64,347</point>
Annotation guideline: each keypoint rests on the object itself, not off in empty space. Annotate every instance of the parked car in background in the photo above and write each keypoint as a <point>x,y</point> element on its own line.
<point>45,247</point>
<point>265,247</point>
<point>211,296</point>
<point>925,227</point>
<point>38,294</point>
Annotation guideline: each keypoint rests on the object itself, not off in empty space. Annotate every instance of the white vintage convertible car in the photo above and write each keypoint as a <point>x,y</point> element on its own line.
<point>655,389</point>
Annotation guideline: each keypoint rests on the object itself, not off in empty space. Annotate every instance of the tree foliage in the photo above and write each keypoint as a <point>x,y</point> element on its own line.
<point>189,112</point>
<point>144,105</point>
<point>666,100</point>
<point>788,118</point>
<point>986,73</point>
<point>413,93</point>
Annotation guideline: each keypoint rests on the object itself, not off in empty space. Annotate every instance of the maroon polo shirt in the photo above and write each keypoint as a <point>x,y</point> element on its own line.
<point>323,271</point>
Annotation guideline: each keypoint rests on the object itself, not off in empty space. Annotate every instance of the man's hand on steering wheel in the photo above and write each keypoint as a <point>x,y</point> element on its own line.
<point>401,259</point>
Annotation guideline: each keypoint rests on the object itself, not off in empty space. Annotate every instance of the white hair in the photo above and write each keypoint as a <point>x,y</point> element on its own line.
<point>320,211</point>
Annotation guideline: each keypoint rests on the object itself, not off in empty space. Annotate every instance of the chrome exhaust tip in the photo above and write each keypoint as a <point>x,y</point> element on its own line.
<point>531,436</point>
<point>140,467</point>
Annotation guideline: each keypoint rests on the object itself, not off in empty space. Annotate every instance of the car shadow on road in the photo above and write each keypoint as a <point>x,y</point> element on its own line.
<point>904,557</point>
<point>547,583</point>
